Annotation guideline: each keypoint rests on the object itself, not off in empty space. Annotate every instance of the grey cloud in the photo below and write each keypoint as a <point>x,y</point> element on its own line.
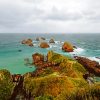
<point>49,16</point>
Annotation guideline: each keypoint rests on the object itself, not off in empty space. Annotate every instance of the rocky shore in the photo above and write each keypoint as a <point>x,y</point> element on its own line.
<point>91,66</point>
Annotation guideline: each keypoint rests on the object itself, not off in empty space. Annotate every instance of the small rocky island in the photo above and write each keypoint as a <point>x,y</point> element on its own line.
<point>27,42</point>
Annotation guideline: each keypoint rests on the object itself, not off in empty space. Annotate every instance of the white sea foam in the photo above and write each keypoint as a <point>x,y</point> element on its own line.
<point>53,46</point>
<point>78,51</point>
<point>57,42</point>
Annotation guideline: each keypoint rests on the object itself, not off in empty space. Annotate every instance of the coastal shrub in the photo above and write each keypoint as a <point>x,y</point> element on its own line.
<point>48,85</point>
<point>67,83</point>
<point>6,85</point>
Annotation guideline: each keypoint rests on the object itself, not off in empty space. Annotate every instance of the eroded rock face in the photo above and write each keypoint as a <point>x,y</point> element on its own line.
<point>27,42</point>
<point>91,66</point>
<point>67,47</point>
<point>37,58</point>
<point>44,45</point>
<point>51,41</point>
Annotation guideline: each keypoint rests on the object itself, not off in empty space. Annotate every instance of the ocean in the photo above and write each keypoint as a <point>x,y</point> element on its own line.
<point>88,45</point>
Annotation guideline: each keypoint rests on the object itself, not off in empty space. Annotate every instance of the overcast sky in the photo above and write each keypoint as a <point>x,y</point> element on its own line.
<point>49,16</point>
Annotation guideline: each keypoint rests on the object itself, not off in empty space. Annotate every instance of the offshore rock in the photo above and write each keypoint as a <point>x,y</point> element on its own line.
<point>27,42</point>
<point>67,47</point>
<point>51,41</point>
<point>40,38</point>
<point>44,45</point>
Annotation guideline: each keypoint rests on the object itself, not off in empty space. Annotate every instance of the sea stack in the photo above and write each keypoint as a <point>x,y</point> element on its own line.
<point>67,47</point>
<point>51,41</point>
<point>44,45</point>
<point>27,42</point>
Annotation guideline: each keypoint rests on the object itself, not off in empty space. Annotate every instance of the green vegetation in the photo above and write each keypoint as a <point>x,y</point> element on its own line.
<point>61,81</point>
<point>65,83</point>
<point>6,85</point>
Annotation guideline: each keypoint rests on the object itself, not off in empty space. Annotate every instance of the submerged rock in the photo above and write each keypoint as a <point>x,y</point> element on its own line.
<point>67,47</point>
<point>51,41</point>
<point>44,45</point>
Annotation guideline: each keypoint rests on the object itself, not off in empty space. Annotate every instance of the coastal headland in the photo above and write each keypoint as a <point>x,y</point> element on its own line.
<point>57,77</point>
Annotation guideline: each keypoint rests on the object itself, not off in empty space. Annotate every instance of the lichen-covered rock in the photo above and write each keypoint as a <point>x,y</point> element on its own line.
<point>51,41</point>
<point>67,47</point>
<point>44,45</point>
<point>27,42</point>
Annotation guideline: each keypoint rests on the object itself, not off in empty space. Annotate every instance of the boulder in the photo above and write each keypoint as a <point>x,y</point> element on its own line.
<point>51,41</point>
<point>91,66</point>
<point>27,42</point>
<point>67,47</point>
<point>44,45</point>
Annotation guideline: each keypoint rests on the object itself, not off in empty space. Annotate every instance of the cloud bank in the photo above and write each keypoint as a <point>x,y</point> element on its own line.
<point>49,16</point>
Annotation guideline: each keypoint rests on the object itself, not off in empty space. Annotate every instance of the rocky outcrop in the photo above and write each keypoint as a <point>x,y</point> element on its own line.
<point>91,66</point>
<point>44,45</point>
<point>67,47</point>
<point>51,41</point>
<point>37,58</point>
<point>74,47</point>
<point>40,38</point>
<point>27,42</point>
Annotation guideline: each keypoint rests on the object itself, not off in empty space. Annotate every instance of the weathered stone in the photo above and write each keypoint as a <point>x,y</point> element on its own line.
<point>44,45</point>
<point>91,66</point>
<point>51,41</point>
<point>37,58</point>
<point>67,47</point>
<point>27,42</point>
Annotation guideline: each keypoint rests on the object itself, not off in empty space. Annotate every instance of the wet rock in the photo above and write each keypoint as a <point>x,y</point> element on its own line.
<point>74,47</point>
<point>27,42</point>
<point>51,41</point>
<point>44,45</point>
<point>91,66</point>
<point>67,47</point>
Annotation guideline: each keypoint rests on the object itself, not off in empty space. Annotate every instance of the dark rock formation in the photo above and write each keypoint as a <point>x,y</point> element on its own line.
<point>74,47</point>
<point>51,41</point>
<point>27,42</point>
<point>44,45</point>
<point>91,66</point>
<point>67,47</point>
<point>40,38</point>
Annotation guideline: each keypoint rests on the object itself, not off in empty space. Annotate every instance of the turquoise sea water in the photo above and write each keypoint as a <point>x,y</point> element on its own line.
<point>10,58</point>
